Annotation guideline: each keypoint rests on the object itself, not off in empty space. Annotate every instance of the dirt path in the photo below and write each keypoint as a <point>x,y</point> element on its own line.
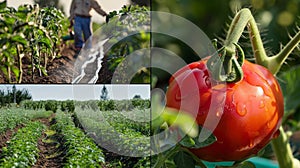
<point>50,146</point>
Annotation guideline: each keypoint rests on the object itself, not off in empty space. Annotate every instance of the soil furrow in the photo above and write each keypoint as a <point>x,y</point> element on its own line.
<point>50,146</point>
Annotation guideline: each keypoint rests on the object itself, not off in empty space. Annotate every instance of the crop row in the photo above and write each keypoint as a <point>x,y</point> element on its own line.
<point>80,149</point>
<point>102,105</point>
<point>115,133</point>
<point>136,120</point>
<point>22,150</point>
<point>11,117</point>
<point>49,105</point>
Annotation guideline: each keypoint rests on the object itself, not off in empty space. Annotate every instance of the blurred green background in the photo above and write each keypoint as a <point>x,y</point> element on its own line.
<point>276,20</point>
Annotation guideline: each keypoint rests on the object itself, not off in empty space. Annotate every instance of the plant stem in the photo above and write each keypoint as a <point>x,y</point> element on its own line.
<point>8,69</point>
<point>244,19</point>
<point>283,151</point>
<point>236,29</point>
<point>20,63</point>
<point>277,60</point>
<point>162,158</point>
<point>260,55</point>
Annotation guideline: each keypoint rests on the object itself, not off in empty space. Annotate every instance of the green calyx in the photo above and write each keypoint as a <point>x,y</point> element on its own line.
<point>226,64</point>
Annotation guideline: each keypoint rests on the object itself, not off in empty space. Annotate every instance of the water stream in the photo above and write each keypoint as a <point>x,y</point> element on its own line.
<point>89,73</point>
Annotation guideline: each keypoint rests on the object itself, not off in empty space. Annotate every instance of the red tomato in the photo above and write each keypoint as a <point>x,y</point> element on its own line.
<point>250,117</point>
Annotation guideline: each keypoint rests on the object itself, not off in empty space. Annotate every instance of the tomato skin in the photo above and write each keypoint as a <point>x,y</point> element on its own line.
<point>252,112</point>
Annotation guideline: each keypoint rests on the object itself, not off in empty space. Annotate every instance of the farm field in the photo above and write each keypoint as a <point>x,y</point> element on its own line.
<point>71,134</point>
<point>37,46</point>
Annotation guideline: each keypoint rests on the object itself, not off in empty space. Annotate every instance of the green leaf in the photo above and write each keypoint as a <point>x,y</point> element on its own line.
<point>4,70</point>
<point>156,110</point>
<point>16,71</point>
<point>10,20</point>
<point>182,120</point>
<point>44,71</point>
<point>46,42</point>
<point>199,142</point>
<point>290,88</point>
<point>19,39</point>
<point>3,4</point>
<point>183,159</point>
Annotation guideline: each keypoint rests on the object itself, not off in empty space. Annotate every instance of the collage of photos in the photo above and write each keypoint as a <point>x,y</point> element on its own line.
<point>149,84</point>
<point>75,84</point>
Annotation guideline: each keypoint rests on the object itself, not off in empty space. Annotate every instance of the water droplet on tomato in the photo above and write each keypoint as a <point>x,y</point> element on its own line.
<point>251,144</point>
<point>207,81</point>
<point>219,113</point>
<point>178,96</point>
<point>241,109</point>
<point>266,110</point>
<point>262,104</point>
<point>269,125</point>
<point>259,91</point>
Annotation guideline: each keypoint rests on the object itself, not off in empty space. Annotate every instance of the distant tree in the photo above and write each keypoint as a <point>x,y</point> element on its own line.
<point>141,2</point>
<point>13,96</point>
<point>104,93</point>
<point>137,97</point>
<point>49,3</point>
<point>22,95</point>
<point>14,91</point>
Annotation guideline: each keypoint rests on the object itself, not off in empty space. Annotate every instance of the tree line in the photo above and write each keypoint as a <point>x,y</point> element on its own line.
<point>13,95</point>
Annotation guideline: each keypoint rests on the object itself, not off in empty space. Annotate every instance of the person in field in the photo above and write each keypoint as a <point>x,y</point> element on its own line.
<point>80,18</point>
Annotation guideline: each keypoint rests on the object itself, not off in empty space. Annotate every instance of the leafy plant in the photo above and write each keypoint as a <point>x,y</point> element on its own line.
<point>133,25</point>
<point>22,150</point>
<point>80,149</point>
<point>51,105</point>
<point>32,34</point>
<point>67,106</point>
<point>12,117</point>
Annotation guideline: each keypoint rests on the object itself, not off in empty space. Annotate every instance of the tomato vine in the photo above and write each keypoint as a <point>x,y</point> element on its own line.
<point>228,65</point>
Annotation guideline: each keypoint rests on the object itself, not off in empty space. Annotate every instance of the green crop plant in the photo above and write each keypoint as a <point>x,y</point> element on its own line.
<point>29,33</point>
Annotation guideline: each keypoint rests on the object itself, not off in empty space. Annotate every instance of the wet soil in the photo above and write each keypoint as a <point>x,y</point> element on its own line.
<point>50,146</point>
<point>60,70</point>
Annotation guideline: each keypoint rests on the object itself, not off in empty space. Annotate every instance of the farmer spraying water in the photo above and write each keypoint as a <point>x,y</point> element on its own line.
<point>80,18</point>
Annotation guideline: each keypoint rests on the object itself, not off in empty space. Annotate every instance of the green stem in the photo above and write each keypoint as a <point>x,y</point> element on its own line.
<point>9,70</point>
<point>283,151</point>
<point>236,29</point>
<point>244,19</point>
<point>162,158</point>
<point>260,55</point>
<point>276,61</point>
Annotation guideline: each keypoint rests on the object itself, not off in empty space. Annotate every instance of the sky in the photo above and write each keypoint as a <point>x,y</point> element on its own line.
<point>82,92</point>
<point>107,5</point>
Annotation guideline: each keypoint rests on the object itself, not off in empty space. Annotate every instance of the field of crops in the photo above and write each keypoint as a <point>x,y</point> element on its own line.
<point>34,49</point>
<point>72,134</point>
